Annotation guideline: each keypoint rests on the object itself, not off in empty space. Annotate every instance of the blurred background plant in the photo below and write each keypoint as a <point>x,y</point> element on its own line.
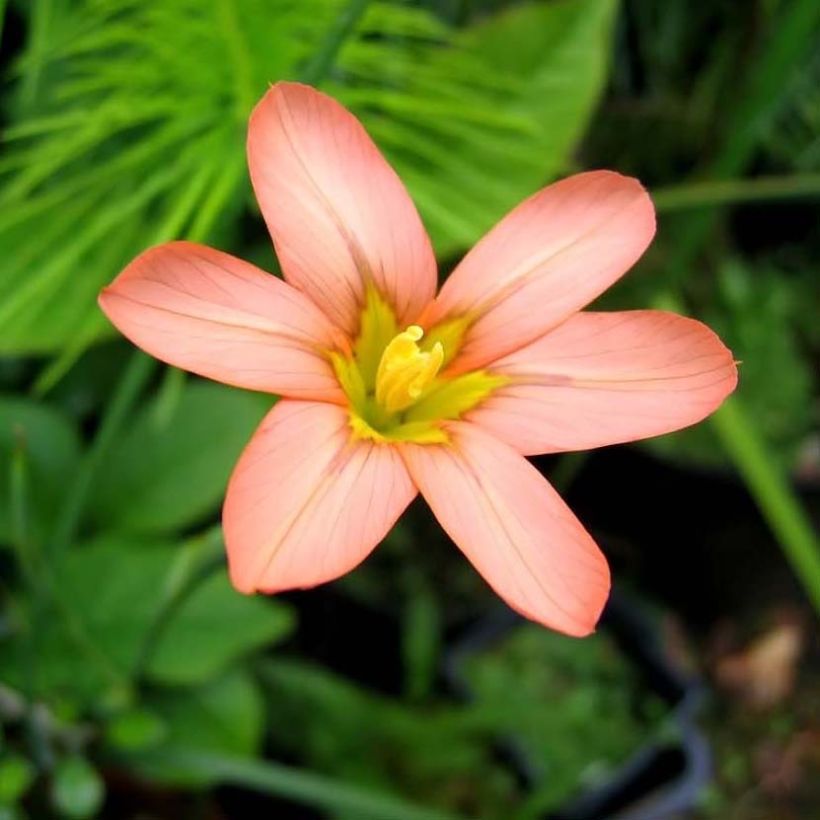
<point>133,680</point>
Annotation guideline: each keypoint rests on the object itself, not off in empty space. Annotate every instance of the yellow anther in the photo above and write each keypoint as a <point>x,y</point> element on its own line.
<point>405,370</point>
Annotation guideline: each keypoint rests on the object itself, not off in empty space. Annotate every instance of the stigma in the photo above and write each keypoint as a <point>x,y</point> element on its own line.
<point>405,370</point>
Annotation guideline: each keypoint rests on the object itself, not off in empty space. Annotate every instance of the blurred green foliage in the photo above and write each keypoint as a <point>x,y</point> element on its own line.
<point>77,789</point>
<point>762,313</point>
<point>51,443</point>
<point>169,469</point>
<point>122,646</point>
<point>16,776</point>
<point>225,715</point>
<point>564,744</point>
<point>108,599</point>
<point>435,753</point>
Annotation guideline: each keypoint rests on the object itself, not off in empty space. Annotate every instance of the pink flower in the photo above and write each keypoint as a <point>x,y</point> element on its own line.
<point>389,389</point>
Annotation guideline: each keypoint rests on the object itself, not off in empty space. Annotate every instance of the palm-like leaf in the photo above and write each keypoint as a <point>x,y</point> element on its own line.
<point>130,119</point>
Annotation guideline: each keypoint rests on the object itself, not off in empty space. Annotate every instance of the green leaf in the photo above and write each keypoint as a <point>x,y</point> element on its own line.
<point>335,795</point>
<point>464,172</point>
<point>77,790</point>
<point>136,729</point>
<point>225,715</point>
<point>51,446</point>
<point>348,731</point>
<point>106,599</point>
<point>129,113</point>
<point>170,469</point>
<point>109,604</point>
<point>421,637</point>
<point>132,123</point>
<point>16,775</point>
<point>214,627</point>
<point>112,586</point>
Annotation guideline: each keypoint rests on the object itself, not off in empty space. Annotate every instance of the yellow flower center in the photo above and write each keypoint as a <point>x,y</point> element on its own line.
<point>393,382</point>
<point>405,370</point>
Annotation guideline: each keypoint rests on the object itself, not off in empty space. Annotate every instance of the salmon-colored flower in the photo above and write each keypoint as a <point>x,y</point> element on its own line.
<point>389,389</point>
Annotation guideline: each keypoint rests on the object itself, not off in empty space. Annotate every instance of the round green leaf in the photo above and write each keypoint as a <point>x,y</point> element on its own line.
<point>136,729</point>
<point>16,775</point>
<point>77,790</point>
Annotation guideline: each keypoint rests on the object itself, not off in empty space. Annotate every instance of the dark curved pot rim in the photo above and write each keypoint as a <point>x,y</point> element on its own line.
<point>637,790</point>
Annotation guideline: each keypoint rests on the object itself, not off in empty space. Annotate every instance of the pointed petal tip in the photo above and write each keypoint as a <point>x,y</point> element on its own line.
<point>580,629</point>
<point>514,529</point>
<point>103,297</point>
<point>248,581</point>
<point>586,624</point>
<point>339,216</point>
<point>609,378</point>
<point>608,181</point>
<point>276,90</point>
<point>205,311</point>
<point>240,581</point>
<point>581,624</point>
<point>560,248</point>
<point>615,179</point>
<point>645,212</point>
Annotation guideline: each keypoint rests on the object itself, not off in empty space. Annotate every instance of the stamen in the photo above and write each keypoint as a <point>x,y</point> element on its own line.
<point>405,370</point>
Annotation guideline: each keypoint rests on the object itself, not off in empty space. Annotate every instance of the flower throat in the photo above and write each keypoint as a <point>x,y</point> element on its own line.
<point>394,382</point>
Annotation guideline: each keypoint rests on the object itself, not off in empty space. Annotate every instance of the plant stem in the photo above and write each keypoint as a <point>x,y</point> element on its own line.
<point>242,64</point>
<point>301,786</point>
<point>136,374</point>
<point>43,589</point>
<point>567,469</point>
<point>197,562</point>
<point>319,67</point>
<point>787,45</point>
<point>770,489</point>
<point>2,17</point>
<point>709,193</point>
<point>421,634</point>
<point>26,554</point>
<point>39,22</point>
<point>18,499</point>
<point>69,356</point>
<point>766,483</point>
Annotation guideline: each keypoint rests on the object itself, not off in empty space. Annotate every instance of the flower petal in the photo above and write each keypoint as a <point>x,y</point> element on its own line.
<point>605,378</point>
<point>544,261</point>
<point>220,317</point>
<point>339,216</point>
<point>514,528</point>
<point>306,503</point>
